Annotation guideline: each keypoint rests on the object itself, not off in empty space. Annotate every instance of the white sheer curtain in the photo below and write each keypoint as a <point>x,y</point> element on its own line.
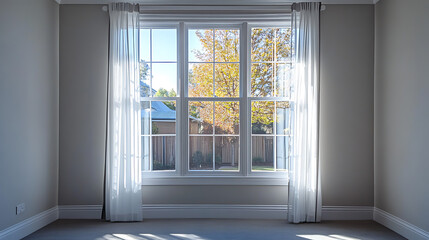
<point>304,177</point>
<point>123,161</point>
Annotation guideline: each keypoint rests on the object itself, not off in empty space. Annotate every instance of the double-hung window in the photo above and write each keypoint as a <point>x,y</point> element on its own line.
<point>216,100</point>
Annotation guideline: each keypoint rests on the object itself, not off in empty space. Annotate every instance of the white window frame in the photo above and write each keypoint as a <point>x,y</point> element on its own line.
<point>250,99</point>
<point>244,176</point>
<point>185,126</point>
<point>166,173</point>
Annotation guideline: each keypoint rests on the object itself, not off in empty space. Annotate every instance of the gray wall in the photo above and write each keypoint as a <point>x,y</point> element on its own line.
<point>346,105</point>
<point>401,110</point>
<point>346,98</point>
<point>83,88</point>
<point>28,108</point>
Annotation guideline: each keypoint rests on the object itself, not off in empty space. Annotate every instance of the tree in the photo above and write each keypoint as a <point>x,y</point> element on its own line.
<point>144,75</point>
<point>164,93</point>
<point>268,44</point>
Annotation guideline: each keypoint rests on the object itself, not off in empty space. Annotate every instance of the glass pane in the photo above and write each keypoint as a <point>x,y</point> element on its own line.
<point>164,77</point>
<point>283,44</point>
<point>200,45</point>
<point>164,152</point>
<point>262,44</point>
<point>227,153</point>
<point>145,121</point>
<point>282,153</point>
<point>200,117</point>
<point>145,153</point>
<point>200,80</point>
<point>164,45</point>
<point>145,45</point>
<point>227,117</point>
<point>227,79</point>
<point>262,80</point>
<point>282,118</point>
<point>201,153</point>
<point>227,45</point>
<point>262,153</point>
<point>282,80</point>
<point>145,73</point>
<point>262,117</point>
<point>163,117</point>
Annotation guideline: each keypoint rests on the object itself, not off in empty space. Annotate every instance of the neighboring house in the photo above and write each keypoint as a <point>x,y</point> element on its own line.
<point>227,153</point>
<point>163,138</point>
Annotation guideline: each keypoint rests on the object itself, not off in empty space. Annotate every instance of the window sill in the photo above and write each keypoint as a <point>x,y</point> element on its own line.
<point>217,180</point>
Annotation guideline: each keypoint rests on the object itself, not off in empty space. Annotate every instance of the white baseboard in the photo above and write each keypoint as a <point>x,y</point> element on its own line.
<point>168,211</point>
<point>347,212</point>
<point>214,211</point>
<point>400,226</point>
<point>30,225</point>
<point>80,211</point>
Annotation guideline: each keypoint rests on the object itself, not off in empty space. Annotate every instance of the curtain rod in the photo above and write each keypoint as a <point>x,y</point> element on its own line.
<point>210,8</point>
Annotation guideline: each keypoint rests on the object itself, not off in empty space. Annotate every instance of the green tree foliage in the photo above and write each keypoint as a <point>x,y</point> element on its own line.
<point>165,93</point>
<point>144,78</point>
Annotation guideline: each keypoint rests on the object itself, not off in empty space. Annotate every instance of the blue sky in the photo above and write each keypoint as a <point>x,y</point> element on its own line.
<point>164,48</point>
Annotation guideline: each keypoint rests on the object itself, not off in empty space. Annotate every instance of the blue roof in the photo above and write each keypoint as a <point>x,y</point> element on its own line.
<point>159,110</point>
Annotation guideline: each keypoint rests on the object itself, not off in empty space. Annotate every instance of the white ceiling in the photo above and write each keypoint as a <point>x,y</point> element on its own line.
<point>216,2</point>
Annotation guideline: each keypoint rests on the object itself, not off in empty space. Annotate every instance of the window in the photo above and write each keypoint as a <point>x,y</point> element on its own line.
<point>216,99</point>
<point>158,92</point>
<point>270,92</point>
<point>213,99</point>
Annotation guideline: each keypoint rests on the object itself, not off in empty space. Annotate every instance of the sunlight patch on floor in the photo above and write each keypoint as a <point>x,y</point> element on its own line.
<point>128,237</point>
<point>187,236</point>
<point>324,237</point>
<point>152,237</point>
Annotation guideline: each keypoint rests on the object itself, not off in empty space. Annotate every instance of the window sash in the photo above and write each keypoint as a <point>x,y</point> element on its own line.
<point>244,99</point>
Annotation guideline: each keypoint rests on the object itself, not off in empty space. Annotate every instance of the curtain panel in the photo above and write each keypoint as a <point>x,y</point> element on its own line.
<point>305,203</point>
<point>123,197</point>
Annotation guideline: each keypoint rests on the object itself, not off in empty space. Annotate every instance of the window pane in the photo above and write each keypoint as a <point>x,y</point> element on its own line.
<point>262,44</point>
<point>262,117</point>
<point>227,45</point>
<point>282,80</point>
<point>164,77</point>
<point>262,80</point>
<point>227,117</point>
<point>200,77</point>
<point>227,153</point>
<point>200,45</point>
<point>201,153</point>
<point>145,121</point>
<point>145,153</point>
<point>163,117</point>
<point>282,118</point>
<point>282,153</point>
<point>164,45</point>
<point>200,117</point>
<point>145,73</point>
<point>145,45</point>
<point>262,153</point>
<point>227,79</point>
<point>164,152</point>
<point>283,44</point>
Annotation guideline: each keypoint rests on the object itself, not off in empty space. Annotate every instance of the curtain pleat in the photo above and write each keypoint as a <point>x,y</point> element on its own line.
<point>123,161</point>
<point>304,203</point>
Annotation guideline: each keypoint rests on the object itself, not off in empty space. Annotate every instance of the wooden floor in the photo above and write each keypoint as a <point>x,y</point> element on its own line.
<point>213,229</point>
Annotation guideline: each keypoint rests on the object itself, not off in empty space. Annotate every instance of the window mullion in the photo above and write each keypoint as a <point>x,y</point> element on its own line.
<point>214,138</point>
<point>182,114</point>
<point>244,105</point>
